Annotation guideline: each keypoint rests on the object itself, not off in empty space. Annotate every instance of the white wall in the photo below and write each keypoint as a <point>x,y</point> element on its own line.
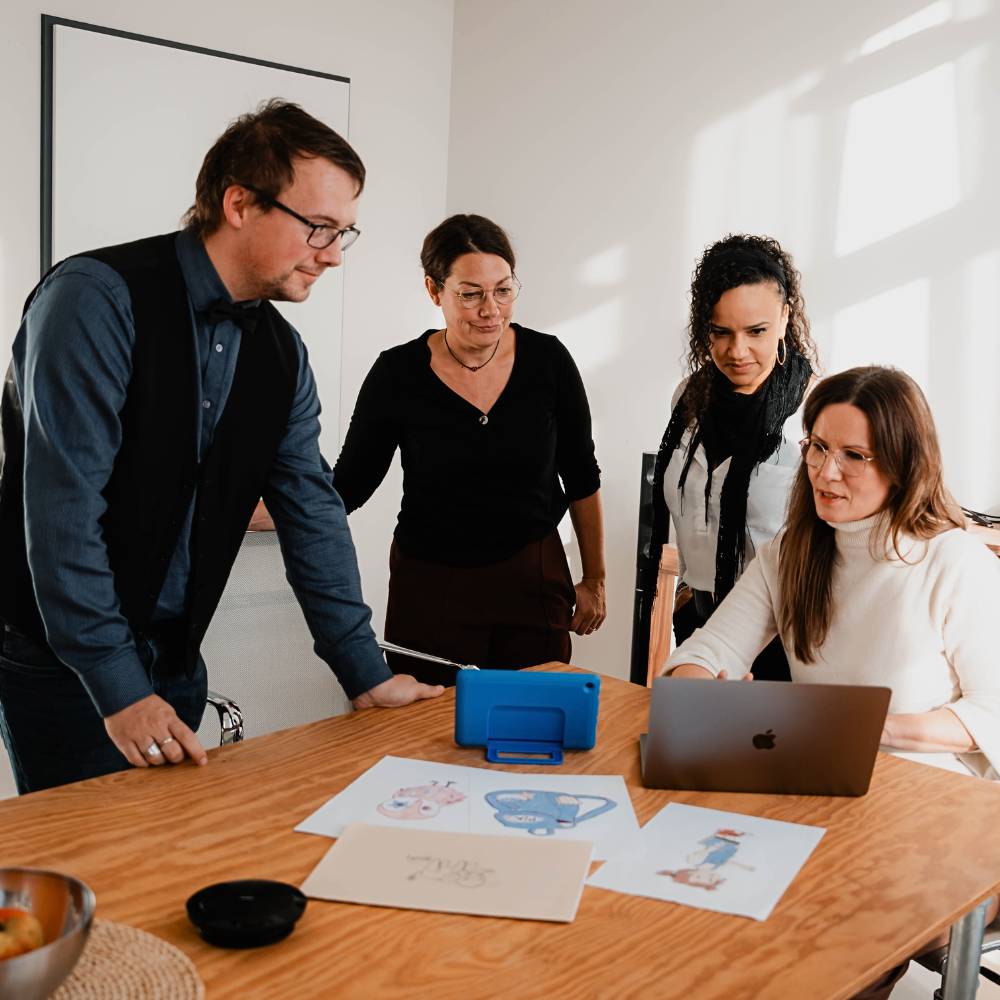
<point>398,56</point>
<point>614,141</point>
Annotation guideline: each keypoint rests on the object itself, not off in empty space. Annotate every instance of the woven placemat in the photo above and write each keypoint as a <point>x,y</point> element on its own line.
<point>123,963</point>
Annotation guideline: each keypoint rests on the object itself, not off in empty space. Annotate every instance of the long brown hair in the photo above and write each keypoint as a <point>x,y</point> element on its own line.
<point>906,449</point>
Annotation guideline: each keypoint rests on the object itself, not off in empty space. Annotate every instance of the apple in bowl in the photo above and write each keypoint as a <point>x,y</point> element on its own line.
<point>20,932</point>
<point>64,907</point>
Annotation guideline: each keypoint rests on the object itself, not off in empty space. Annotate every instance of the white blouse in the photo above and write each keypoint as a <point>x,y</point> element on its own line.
<point>767,501</point>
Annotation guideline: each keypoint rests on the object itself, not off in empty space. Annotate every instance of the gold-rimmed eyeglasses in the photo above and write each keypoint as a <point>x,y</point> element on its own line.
<point>850,461</point>
<point>503,295</point>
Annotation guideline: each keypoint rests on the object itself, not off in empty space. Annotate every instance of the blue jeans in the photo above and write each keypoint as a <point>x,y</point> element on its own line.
<point>50,726</point>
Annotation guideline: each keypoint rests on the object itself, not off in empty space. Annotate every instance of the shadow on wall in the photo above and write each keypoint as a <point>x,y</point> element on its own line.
<point>615,149</point>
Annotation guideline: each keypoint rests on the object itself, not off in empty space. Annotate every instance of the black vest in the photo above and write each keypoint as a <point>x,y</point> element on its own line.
<point>156,470</point>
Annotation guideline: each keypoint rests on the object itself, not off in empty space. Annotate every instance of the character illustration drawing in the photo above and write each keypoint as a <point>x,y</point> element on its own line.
<point>714,852</point>
<point>543,813</point>
<point>421,801</point>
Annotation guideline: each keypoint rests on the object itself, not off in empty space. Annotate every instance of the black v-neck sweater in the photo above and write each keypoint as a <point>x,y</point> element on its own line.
<point>476,487</point>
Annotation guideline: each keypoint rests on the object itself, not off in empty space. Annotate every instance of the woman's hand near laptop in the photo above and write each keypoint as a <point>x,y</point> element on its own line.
<point>701,673</point>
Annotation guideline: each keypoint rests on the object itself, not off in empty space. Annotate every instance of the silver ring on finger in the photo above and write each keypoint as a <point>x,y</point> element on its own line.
<point>169,739</point>
<point>153,750</point>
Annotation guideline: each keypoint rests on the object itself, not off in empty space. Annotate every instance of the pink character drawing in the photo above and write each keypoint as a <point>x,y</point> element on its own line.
<point>421,801</point>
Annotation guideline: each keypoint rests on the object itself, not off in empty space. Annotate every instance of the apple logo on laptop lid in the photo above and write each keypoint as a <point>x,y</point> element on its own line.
<point>764,741</point>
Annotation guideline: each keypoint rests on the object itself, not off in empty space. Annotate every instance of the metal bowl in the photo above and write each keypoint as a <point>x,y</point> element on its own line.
<point>65,908</point>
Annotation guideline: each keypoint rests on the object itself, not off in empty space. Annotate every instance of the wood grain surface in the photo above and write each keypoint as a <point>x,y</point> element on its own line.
<point>895,867</point>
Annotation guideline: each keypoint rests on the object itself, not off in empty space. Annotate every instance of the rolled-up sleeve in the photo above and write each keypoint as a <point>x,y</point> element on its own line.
<point>316,545</point>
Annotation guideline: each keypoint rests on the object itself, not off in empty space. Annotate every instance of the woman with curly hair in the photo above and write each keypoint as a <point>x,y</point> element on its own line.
<point>728,456</point>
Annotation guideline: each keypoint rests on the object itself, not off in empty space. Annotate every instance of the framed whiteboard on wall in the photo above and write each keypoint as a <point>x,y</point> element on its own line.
<point>126,122</point>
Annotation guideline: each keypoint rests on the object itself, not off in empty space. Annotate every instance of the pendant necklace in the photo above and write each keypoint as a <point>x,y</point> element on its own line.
<point>471,368</point>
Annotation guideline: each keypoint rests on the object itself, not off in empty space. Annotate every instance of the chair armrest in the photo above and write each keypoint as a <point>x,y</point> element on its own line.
<point>230,718</point>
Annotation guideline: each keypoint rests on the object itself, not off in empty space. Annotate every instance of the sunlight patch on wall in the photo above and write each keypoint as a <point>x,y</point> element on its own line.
<point>967,10</point>
<point>593,337</point>
<point>929,17</point>
<point>891,328</point>
<point>973,469</point>
<point>604,269</point>
<point>901,163</point>
<point>747,167</point>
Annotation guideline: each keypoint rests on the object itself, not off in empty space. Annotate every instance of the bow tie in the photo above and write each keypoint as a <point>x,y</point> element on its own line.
<point>245,317</point>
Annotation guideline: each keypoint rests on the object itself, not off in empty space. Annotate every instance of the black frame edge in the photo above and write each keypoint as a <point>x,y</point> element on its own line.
<point>45,145</point>
<point>49,22</point>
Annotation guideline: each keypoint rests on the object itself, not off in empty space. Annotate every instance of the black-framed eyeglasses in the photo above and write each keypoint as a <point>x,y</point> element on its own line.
<point>850,462</point>
<point>320,235</point>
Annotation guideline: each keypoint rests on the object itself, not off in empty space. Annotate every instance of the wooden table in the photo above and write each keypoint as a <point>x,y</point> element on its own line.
<point>895,867</point>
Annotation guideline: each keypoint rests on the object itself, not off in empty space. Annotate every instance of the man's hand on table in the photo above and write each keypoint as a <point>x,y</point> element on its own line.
<point>152,724</point>
<point>402,689</point>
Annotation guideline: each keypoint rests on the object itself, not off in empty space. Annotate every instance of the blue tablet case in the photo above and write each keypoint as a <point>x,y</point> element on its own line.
<point>513,713</point>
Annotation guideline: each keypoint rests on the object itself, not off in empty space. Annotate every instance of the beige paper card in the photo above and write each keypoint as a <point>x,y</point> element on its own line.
<point>453,872</point>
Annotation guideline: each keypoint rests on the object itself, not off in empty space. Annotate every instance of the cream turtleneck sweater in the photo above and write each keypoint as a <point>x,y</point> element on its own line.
<point>923,628</point>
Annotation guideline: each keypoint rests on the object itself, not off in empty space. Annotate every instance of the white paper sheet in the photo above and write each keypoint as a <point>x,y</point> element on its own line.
<point>427,795</point>
<point>712,860</point>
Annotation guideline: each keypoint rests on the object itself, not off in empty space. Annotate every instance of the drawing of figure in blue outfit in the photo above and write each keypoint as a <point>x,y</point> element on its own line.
<point>715,852</point>
<point>543,813</point>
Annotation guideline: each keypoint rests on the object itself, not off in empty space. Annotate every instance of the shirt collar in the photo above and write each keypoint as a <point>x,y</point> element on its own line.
<point>204,286</point>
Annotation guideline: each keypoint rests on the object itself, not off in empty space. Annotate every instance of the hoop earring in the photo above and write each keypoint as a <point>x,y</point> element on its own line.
<point>782,352</point>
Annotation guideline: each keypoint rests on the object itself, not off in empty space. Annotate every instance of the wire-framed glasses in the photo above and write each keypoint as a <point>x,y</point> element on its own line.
<point>320,235</point>
<point>850,461</point>
<point>503,294</point>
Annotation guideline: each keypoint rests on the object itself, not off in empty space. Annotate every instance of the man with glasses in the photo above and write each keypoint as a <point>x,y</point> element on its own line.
<point>154,396</point>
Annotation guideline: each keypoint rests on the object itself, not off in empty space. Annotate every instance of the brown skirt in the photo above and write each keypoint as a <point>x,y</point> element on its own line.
<point>510,614</point>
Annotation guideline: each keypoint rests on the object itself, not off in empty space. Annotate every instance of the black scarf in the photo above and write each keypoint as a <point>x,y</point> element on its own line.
<point>747,428</point>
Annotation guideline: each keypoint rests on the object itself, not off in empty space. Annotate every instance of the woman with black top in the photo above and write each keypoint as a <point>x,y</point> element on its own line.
<point>729,454</point>
<point>493,427</point>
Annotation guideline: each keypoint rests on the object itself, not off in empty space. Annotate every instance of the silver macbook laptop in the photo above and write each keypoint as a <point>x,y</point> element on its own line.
<point>762,736</point>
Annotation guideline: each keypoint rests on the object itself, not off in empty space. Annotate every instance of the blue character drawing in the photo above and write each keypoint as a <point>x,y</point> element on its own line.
<point>716,851</point>
<point>543,813</point>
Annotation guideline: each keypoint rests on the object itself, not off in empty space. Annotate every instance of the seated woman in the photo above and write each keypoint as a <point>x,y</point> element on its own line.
<point>873,581</point>
<point>726,462</point>
<point>493,427</point>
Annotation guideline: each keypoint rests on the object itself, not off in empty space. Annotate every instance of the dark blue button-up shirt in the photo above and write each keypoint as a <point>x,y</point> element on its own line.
<point>73,362</point>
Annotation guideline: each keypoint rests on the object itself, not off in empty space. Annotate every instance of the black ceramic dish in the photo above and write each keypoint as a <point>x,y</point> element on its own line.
<point>246,914</point>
